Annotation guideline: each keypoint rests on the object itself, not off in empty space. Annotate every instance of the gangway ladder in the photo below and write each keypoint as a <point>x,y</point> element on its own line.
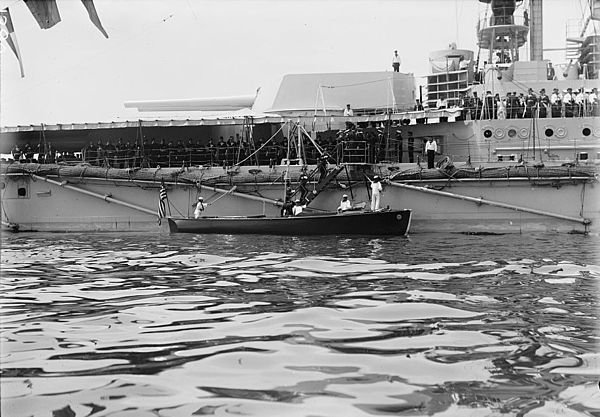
<point>332,173</point>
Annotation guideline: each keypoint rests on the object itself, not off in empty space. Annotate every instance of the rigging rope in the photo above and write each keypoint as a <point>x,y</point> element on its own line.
<point>356,84</point>
<point>263,145</point>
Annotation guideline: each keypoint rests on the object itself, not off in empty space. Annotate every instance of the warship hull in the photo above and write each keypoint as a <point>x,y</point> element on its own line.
<point>126,201</point>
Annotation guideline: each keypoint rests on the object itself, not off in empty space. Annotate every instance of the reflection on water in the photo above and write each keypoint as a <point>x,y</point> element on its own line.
<point>444,325</point>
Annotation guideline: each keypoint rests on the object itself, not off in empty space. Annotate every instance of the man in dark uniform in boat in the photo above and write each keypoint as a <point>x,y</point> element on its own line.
<point>303,186</point>
<point>322,166</point>
<point>288,205</point>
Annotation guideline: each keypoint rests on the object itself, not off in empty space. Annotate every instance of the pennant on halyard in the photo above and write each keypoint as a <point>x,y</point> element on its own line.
<point>45,12</point>
<point>91,9</point>
<point>162,197</point>
<point>9,36</point>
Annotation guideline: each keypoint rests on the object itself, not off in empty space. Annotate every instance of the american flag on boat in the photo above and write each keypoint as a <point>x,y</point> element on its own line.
<point>162,197</point>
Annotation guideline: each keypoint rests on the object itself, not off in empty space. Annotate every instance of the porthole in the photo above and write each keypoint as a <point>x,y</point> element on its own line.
<point>586,131</point>
<point>22,192</point>
<point>499,133</point>
<point>487,133</point>
<point>512,133</point>
<point>561,132</point>
<point>549,132</point>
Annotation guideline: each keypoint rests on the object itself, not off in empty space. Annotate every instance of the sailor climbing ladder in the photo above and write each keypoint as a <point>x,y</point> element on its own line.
<point>324,181</point>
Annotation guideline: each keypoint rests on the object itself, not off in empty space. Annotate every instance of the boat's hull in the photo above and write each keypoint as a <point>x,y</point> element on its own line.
<point>388,222</point>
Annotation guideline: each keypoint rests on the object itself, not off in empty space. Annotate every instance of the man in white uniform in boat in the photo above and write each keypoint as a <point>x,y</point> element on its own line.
<point>345,204</point>
<point>298,207</point>
<point>376,190</point>
<point>200,206</point>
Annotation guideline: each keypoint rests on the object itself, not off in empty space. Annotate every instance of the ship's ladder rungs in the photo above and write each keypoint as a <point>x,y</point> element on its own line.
<point>332,173</point>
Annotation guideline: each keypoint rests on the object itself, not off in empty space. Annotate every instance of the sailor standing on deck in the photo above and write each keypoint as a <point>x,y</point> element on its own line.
<point>430,150</point>
<point>348,111</point>
<point>376,190</point>
<point>396,62</point>
<point>200,207</point>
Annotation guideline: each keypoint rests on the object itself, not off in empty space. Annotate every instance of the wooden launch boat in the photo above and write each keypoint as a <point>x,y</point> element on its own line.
<point>384,222</point>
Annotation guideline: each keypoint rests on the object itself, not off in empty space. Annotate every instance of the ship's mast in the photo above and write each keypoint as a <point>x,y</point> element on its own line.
<point>505,31</point>
<point>536,44</point>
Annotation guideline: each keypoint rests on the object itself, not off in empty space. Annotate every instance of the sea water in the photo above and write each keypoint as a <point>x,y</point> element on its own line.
<point>433,324</point>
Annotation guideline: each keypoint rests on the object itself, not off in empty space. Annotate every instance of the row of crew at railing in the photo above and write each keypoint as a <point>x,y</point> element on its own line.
<point>567,103</point>
<point>370,143</point>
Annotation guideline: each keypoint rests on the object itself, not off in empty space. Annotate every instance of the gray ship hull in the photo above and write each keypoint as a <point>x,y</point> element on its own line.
<point>468,205</point>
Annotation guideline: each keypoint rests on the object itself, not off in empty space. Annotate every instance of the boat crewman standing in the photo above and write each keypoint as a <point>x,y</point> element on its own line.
<point>200,207</point>
<point>303,186</point>
<point>376,190</point>
<point>345,204</point>
<point>322,166</point>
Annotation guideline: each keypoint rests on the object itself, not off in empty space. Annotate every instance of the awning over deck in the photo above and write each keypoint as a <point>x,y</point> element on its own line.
<point>239,118</point>
<point>175,120</point>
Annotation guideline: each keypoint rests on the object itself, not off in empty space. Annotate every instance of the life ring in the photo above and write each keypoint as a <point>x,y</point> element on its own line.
<point>499,133</point>
<point>561,132</point>
<point>523,133</point>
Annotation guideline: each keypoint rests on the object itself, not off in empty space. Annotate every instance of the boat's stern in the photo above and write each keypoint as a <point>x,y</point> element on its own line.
<point>170,227</point>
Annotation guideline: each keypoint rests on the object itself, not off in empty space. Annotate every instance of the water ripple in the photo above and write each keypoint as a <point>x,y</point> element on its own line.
<point>226,325</point>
